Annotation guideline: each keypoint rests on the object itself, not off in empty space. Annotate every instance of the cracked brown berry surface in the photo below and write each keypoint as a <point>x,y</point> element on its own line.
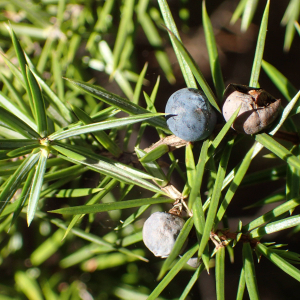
<point>258,108</point>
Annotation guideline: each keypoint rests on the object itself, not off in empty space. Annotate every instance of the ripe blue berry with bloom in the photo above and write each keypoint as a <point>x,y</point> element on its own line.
<point>191,116</point>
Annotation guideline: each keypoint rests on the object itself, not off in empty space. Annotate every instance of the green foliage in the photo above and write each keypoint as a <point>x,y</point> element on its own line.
<point>247,8</point>
<point>69,172</point>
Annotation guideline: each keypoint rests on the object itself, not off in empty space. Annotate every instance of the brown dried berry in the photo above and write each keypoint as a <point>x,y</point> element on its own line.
<point>258,108</point>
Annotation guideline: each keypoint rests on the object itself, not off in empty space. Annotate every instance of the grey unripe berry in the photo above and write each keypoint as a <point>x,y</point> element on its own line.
<point>160,232</point>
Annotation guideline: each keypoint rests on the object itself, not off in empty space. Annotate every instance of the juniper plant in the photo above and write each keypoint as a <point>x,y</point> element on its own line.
<point>66,167</point>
